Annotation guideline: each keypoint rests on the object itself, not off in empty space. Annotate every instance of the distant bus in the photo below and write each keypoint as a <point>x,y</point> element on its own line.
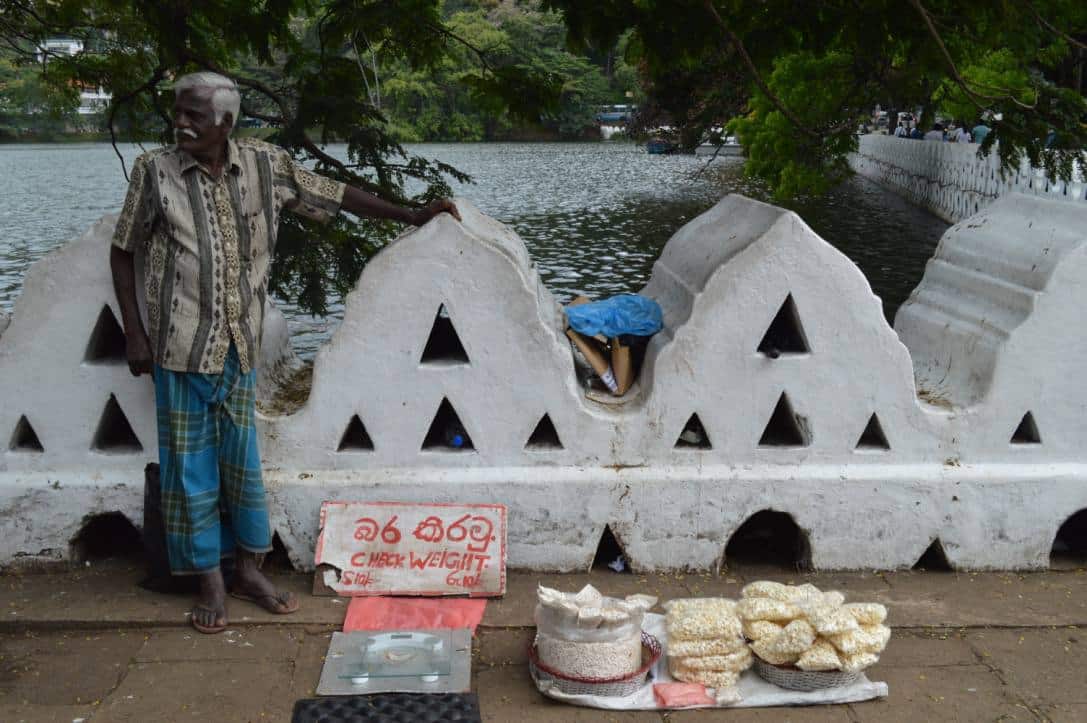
<point>610,114</point>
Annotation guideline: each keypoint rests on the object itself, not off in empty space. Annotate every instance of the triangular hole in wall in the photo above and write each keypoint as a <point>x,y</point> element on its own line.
<point>693,435</point>
<point>25,439</point>
<point>609,553</point>
<point>785,428</point>
<point>545,436</point>
<point>1027,431</point>
<point>443,345</point>
<point>873,437</point>
<point>934,558</point>
<point>785,335</point>
<point>114,433</point>
<point>355,438</point>
<point>446,431</point>
<point>107,342</point>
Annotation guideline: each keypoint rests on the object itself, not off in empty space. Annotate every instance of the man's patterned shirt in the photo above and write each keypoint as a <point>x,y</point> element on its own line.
<point>209,244</point>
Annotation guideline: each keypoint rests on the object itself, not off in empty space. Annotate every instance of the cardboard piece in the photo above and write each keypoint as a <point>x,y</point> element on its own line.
<point>403,548</point>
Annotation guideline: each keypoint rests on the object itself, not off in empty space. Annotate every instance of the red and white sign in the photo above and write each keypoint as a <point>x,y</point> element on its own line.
<point>401,548</point>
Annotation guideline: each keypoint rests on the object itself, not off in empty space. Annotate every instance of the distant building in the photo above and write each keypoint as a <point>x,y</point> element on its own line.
<point>91,100</point>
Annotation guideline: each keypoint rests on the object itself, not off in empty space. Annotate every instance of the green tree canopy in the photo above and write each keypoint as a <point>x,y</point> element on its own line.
<point>305,67</point>
<point>795,79</point>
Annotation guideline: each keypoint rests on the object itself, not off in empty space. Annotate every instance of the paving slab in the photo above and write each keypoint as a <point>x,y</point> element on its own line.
<point>308,664</point>
<point>1074,713</point>
<point>64,668</point>
<point>208,690</point>
<point>106,596</point>
<point>933,649</point>
<point>1041,665</point>
<point>964,599</point>
<point>795,714</point>
<point>954,693</point>
<point>502,646</point>
<point>10,713</point>
<point>164,645</point>
<point>966,647</point>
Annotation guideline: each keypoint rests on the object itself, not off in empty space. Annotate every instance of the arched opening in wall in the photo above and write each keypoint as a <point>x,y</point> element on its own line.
<point>786,428</point>
<point>106,536</point>
<point>768,540</point>
<point>443,346</point>
<point>1027,431</point>
<point>24,438</point>
<point>1069,550</point>
<point>107,342</point>
<point>355,438</point>
<point>114,433</point>
<point>544,437</point>
<point>694,435</point>
<point>785,335</point>
<point>277,560</point>
<point>446,433</point>
<point>934,559</point>
<point>609,553</point>
<point>873,439</point>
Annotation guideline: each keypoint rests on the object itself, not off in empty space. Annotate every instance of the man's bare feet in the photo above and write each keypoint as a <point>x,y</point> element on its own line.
<point>209,613</point>
<point>250,584</point>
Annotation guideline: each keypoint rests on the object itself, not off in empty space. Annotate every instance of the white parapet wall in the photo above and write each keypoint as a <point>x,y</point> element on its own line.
<point>795,393</point>
<point>951,179</point>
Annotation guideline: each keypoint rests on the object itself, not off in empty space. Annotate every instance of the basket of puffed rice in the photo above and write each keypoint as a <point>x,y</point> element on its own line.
<point>806,639</point>
<point>793,678</point>
<point>547,677</point>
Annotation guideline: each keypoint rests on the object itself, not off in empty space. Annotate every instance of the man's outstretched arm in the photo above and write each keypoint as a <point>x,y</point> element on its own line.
<point>361,203</point>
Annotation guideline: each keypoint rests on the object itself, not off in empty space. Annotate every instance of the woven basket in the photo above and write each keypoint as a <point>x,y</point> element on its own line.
<point>795,679</point>
<point>611,687</point>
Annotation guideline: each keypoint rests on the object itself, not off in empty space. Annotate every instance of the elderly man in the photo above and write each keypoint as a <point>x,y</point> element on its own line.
<point>206,210</point>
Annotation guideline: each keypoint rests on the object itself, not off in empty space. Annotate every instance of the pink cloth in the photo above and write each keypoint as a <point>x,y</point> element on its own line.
<point>413,613</point>
<point>681,695</point>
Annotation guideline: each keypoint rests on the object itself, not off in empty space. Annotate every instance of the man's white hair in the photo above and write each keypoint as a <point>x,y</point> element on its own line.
<point>225,97</point>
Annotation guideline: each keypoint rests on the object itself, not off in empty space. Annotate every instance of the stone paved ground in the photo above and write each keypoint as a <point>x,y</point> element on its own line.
<point>89,644</point>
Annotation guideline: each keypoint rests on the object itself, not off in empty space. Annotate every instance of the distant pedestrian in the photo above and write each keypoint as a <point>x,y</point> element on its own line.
<point>980,131</point>
<point>961,134</point>
<point>936,134</point>
<point>916,134</point>
<point>901,131</point>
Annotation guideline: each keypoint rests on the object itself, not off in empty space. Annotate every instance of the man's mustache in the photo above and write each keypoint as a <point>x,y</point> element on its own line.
<point>179,133</point>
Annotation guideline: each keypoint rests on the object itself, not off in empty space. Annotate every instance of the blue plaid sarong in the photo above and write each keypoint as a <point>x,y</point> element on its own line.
<point>209,466</point>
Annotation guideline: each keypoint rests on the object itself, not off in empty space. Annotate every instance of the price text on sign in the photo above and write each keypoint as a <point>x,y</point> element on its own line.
<point>398,548</point>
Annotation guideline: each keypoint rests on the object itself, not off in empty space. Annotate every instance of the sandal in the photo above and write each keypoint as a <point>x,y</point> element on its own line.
<point>283,603</point>
<point>206,629</point>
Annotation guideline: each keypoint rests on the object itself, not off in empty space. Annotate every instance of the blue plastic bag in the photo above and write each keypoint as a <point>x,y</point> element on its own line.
<point>624,314</point>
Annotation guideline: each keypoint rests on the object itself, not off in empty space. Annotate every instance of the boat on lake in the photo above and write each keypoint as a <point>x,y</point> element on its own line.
<point>659,146</point>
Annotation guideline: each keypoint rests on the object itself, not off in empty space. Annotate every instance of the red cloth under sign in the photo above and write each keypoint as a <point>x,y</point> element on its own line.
<point>413,613</point>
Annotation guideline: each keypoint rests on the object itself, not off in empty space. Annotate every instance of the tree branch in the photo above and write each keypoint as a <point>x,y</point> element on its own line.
<point>480,52</point>
<point>738,44</point>
<point>974,97</point>
<point>312,148</point>
<point>116,103</point>
<point>1056,31</point>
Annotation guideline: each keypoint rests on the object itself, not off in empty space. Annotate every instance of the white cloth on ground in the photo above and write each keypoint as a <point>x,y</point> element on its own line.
<point>756,692</point>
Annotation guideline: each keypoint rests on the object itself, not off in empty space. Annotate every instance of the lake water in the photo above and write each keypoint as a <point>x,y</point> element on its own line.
<point>593,215</point>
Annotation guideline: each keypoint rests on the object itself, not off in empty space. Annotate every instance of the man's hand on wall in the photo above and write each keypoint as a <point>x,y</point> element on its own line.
<point>442,205</point>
